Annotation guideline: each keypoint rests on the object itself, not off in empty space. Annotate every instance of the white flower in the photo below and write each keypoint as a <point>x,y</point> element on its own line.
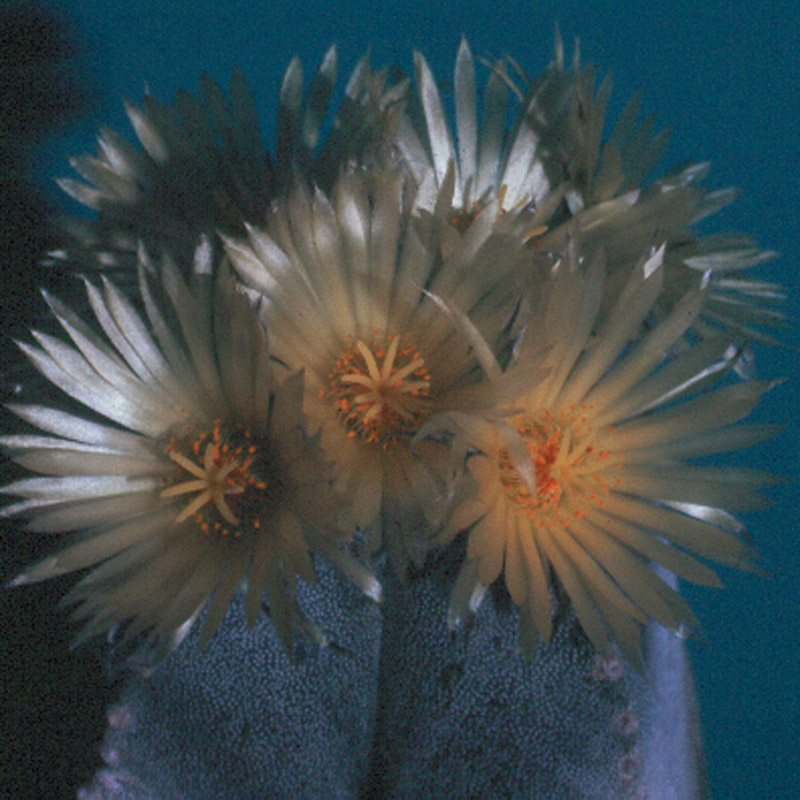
<point>540,142</point>
<point>193,474</point>
<point>353,289</point>
<point>617,207</point>
<point>511,160</point>
<point>202,166</point>
<point>593,478</point>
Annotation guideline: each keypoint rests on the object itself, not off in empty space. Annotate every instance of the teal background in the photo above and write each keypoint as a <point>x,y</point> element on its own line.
<point>724,77</point>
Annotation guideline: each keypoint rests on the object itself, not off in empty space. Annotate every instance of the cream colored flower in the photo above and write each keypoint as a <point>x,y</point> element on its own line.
<point>353,288</point>
<point>541,143</point>
<point>618,207</point>
<point>202,167</point>
<point>500,149</point>
<point>201,476</point>
<point>593,478</point>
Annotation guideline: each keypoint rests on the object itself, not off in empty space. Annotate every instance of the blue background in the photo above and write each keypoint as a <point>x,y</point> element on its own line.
<point>724,77</point>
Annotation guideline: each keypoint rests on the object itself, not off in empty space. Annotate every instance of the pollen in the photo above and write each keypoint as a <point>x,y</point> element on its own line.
<point>572,471</point>
<point>380,390</point>
<point>215,474</point>
<point>462,218</point>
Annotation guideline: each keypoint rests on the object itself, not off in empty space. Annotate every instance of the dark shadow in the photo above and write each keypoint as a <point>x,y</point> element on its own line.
<point>52,700</point>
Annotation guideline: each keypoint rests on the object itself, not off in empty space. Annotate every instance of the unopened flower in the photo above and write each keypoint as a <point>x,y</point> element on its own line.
<point>201,475</point>
<point>592,478</point>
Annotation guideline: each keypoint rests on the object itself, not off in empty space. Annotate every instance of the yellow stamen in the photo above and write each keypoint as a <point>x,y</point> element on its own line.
<point>380,393</point>
<point>222,474</point>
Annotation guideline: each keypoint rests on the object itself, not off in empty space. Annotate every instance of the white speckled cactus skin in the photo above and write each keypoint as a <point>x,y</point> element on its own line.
<point>397,707</point>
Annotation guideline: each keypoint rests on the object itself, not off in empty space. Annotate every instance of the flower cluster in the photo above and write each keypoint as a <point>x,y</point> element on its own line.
<point>498,333</point>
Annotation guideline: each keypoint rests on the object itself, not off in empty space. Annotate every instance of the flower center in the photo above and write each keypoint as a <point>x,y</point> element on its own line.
<point>572,471</point>
<point>380,390</point>
<point>462,218</point>
<point>218,481</point>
